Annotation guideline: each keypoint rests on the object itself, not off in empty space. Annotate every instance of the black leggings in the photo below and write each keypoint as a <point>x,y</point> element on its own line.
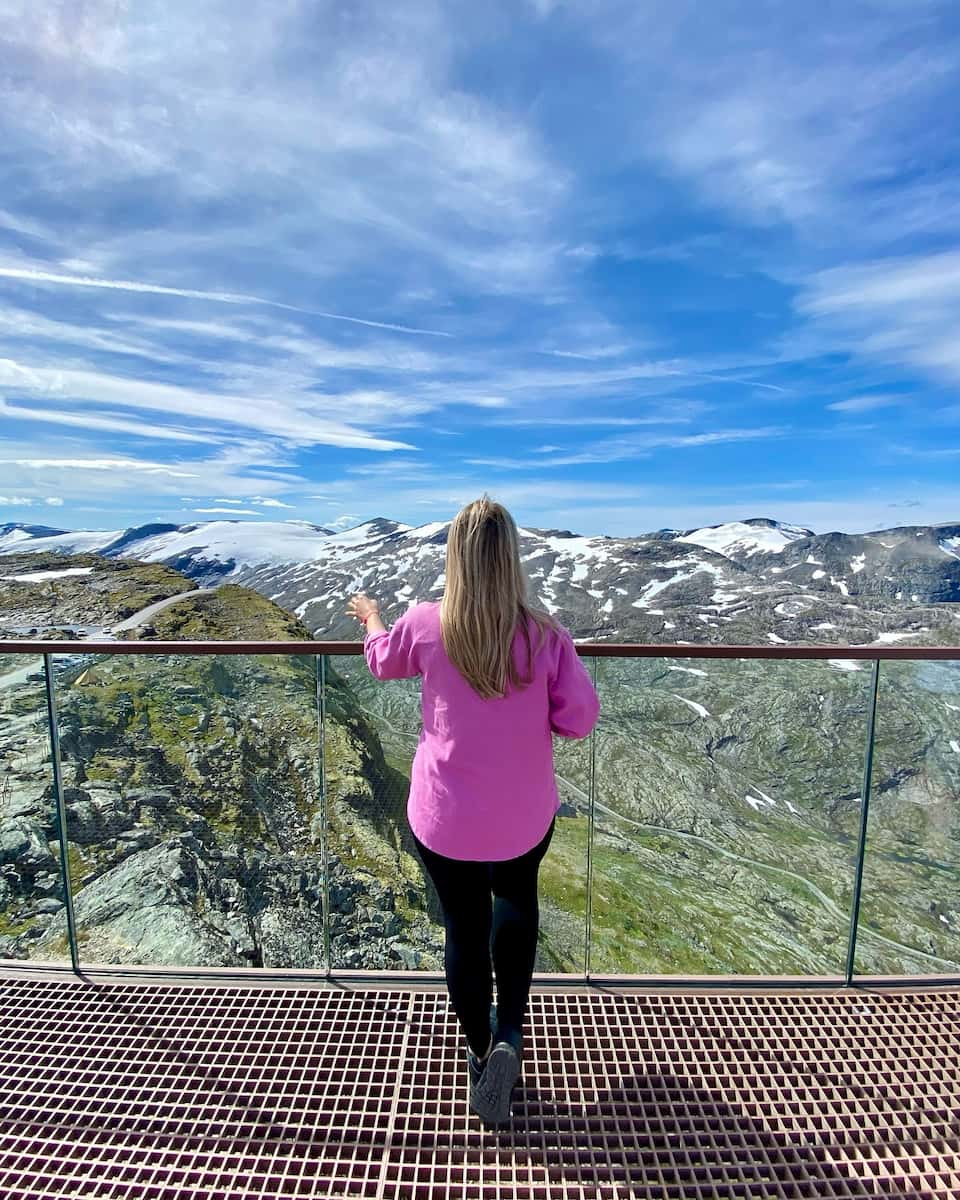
<point>477,929</point>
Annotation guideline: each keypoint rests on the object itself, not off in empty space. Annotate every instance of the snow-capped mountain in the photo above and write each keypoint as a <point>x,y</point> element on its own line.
<point>742,539</point>
<point>15,538</point>
<point>756,580</point>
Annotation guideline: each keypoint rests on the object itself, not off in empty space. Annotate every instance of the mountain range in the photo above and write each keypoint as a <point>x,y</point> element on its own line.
<point>758,580</point>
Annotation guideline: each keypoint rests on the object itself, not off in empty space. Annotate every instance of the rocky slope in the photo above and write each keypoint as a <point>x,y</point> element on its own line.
<point>50,595</point>
<point>194,810</point>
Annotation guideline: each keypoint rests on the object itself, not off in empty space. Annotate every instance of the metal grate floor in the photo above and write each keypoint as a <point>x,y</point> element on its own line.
<point>169,1092</point>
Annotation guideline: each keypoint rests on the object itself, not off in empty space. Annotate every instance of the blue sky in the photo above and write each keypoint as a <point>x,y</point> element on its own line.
<point>621,265</point>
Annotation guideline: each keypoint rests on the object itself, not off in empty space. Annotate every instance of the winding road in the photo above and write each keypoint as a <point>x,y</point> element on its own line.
<point>151,610</point>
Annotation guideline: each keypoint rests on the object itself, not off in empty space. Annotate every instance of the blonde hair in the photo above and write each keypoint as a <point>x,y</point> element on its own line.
<point>485,599</point>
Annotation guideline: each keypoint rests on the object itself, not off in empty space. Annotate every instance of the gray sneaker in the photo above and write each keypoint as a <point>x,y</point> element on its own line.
<point>473,1065</point>
<point>490,1096</point>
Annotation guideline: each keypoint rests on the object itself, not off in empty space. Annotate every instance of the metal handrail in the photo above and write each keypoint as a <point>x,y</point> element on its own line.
<point>584,649</point>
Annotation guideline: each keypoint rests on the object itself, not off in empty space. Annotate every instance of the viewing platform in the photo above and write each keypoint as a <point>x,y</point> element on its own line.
<point>748,983</point>
<point>214,1088</point>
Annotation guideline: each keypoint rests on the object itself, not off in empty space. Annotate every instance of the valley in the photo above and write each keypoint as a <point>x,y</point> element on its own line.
<point>727,792</point>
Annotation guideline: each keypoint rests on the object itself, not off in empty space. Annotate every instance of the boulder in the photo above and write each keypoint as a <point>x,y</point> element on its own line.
<point>24,846</point>
<point>145,911</point>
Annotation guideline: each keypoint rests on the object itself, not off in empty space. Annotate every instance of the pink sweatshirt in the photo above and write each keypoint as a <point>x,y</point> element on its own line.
<point>482,786</point>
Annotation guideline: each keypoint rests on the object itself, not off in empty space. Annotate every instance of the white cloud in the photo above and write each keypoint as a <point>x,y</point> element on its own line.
<point>268,503</point>
<point>34,275</point>
<point>18,500</point>
<point>299,418</point>
<point>795,121</point>
<point>107,424</point>
<point>234,512</point>
<point>903,311</point>
<point>99,464</point>
<point>634,446</point>
<point>382,153</point>
<point>56,501</point>
<point>680,412</point>
<point>867,403</point>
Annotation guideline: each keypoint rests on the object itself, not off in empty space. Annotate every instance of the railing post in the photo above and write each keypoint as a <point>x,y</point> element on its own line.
<point>324,864</point>
<point>591,792</point>
<point>864,807</point>
<point>61,811</point>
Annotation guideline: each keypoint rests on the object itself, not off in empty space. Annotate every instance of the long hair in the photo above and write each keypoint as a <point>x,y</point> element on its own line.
<point>485,599</point>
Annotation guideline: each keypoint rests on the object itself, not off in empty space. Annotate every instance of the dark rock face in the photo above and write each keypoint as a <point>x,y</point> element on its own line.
<point>916,564</point>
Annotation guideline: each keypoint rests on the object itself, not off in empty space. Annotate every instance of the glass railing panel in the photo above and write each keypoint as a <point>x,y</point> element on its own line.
<point>384,911</point>
<point>910,898</point>
<point>193,809</point>
<point>563,872</point>
<point>726,815</point>
<point>31,887</point>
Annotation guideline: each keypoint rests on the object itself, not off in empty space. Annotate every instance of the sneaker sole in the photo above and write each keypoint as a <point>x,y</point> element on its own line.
<point>493,1093</point>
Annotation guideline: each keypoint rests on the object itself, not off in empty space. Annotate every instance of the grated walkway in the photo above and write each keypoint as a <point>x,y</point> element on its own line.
<point>170,1092</point>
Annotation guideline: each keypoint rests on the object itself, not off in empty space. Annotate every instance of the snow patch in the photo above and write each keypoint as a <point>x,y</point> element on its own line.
<point>41,576</point>
<point>697,708</point>
<point>658,585</point>
<point>857,564</point>
<point>686,670</point>
<point>58,543</point>
<point>736,537</point>
<point>844,664</point>
<point>759,805</point>
<point>422,532</point>
<point>955,746</point>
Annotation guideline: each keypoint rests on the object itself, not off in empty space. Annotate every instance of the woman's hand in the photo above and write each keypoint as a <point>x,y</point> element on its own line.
<point>362,607</point>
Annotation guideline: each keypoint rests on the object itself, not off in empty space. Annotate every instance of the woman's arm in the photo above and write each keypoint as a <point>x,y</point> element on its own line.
<point>367,611</point>
<point>390,654</point>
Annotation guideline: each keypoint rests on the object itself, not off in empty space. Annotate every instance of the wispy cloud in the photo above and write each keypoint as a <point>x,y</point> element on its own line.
<point>635,446</point>
<point>99,464</point>
<point>127,285</point>
<point>233,512</point>
<point>758,129</point>
<point>636,248</point>
<point>867,403</point>
<point>903,311</point>
<point>26,501</point>
<point>301,418</point>
<point>94,423</point>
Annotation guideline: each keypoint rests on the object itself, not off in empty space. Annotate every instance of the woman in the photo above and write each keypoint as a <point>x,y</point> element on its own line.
<point>498,677</point>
